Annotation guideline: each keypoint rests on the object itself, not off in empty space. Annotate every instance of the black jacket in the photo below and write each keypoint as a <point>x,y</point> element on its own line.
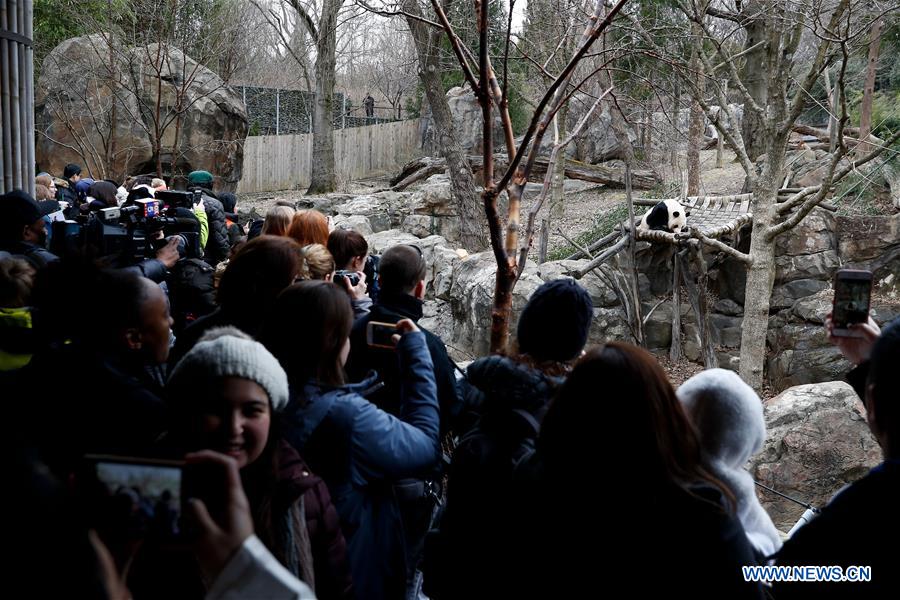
<point>37,256</point>
<point>363,359</point>
<point>90,402</point>
<point>859,527</point>
<point>217,245</point>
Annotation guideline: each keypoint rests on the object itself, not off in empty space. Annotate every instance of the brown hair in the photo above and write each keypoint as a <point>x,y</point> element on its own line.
<point>278,220</point>
<point>309,227</point>
<point>42,192</point>
<point>345,245</point>
<point>306,330</point>
<point>625,381</point>
<point>45,180</point>
<point>257,273</point>
<point>317,262</point>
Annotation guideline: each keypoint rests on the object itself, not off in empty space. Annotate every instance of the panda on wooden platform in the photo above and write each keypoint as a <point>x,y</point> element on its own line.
<point>668,215</point>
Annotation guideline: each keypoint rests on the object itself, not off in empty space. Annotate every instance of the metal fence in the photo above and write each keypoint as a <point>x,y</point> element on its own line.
<point>272,111</point>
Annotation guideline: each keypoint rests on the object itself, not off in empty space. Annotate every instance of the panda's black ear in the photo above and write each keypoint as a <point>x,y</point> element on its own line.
<point>675,214</point>
<point>687,213</point>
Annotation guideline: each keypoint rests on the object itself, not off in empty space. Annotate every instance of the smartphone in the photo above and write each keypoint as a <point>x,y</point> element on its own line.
<point>852,295</point>
<point>379,335</point>
<point>133,498</point>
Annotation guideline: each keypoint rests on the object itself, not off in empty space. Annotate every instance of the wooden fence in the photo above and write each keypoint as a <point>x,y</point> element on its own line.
<point>281,162</point>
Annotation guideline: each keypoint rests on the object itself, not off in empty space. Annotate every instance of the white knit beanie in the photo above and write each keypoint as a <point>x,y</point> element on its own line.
<point>229,352</point>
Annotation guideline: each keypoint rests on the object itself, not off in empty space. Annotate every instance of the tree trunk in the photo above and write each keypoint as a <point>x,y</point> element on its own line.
<point>322,177</point>
<point>557,182</point>
<point>462,183</point>
<point>865,109</point>
<point>675,353</point>
<point>761,274</point>
<point>695,129</point>
<point>755,77</point>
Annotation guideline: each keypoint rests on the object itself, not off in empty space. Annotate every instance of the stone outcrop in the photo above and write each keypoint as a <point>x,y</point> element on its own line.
<point>78,105</point>
<point>818,441</point>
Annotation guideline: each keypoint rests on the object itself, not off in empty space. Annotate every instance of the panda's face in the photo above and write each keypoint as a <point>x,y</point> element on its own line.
<point>676,214</point>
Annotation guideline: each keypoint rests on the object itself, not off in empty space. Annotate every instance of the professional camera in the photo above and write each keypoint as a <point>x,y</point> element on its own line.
<point>133,233</point>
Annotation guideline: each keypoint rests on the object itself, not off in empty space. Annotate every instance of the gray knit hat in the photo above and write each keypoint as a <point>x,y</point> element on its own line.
<point>229,352</point>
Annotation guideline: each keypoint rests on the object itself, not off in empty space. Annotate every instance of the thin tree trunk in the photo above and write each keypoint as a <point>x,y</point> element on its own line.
<point>695,130</point>
<point>557,184</point>
<point>462,183</point>
<point>322,176</point>
<point>865,110</point>
<point>755,77</point>
<point>760,275</point>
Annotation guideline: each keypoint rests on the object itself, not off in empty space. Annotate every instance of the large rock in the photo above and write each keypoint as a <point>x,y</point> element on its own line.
<point>467,120</point>
<point>599,142</point>
<point>358,223</point>
<point>784,296</point>
<point>820,265</point>
<point>818,442</point>
<point>75,97</point>
<point>815,233</point>
<point>471,299</point>
<point>871,243</point>
<point>385,210</point>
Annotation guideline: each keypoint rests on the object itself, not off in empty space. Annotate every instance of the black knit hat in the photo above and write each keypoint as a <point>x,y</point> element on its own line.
<point>71,170</point>
<point>554,324</point>
<point>17,209</point>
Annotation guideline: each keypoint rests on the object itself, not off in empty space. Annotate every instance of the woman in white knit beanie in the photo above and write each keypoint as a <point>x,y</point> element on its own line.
<point>225,395</point>
<point>728,416</point>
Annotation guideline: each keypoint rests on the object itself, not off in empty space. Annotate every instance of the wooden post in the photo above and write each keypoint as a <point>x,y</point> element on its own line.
<point>545,240</point>
<point>675,349</point>
<point>635,290</point>
<point>695,282</point>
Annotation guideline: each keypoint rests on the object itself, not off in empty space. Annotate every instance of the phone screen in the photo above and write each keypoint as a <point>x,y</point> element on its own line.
<point>851,301</point>
<point>379,334</point>
<point>137,499</point>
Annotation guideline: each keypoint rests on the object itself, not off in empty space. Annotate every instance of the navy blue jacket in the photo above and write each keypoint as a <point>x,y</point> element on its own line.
<point>360,450</point>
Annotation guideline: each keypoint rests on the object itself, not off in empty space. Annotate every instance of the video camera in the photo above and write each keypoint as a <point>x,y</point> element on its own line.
<point>133,232</point>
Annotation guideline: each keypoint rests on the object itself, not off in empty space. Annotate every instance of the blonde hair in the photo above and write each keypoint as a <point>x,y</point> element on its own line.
<point>158,183</point>
<point>317,262</point>
<point>278,219</point>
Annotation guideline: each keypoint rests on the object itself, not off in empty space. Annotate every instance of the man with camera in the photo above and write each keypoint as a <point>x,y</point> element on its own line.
<point>217,245</point>
<point>402,271</point>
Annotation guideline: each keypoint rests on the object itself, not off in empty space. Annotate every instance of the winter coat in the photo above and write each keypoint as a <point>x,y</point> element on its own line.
<point>859,527</point>
<point>359,450</point>
<point>480,492</point>
<point>37,256</point>
<point>308,498</point>
<point>728,416</point>
<point>217,245</point>
<point>364,359</point>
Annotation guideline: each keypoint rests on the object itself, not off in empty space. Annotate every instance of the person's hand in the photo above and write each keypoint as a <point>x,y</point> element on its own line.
<point>358,291</point>
<point>404,326</point>
<point>168,254</point>
<point>218,541</point>
<point>854,349</point>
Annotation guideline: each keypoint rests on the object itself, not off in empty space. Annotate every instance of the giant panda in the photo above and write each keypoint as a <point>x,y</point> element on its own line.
<point>668,215</point>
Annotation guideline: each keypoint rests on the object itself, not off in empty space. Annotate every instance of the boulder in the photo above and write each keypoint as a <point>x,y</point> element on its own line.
<point>725,330</point>
<point>471,300</point>
<point>820,265</point>
<point>599,142</point>
<point>784,296</point>
<point>75,97</point>
<point>871,243</point>
<point>601,293</point>
<point>728,307</point>
<point>385,210</point>
<point>815,233</point>
<point>358,223</point>
<point>467,121</point>
<point>817,442</point>
<point>417,225</point>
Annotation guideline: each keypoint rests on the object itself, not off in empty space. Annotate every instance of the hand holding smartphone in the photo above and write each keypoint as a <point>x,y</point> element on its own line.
<point>852,297</point>
<point>387,335</point>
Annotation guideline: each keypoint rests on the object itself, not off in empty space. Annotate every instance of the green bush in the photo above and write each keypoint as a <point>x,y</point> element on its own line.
<point>603,225</point>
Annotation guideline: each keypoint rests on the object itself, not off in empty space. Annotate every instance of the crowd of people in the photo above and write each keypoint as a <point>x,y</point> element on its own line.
<point>333,466</point>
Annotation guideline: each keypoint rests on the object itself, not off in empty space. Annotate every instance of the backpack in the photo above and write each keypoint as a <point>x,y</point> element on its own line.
<point>192,291</point>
